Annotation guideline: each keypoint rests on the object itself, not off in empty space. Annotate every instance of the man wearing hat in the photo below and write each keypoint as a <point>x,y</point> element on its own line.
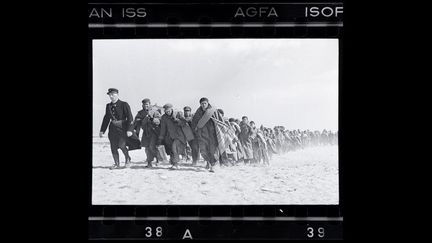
<point>172,135</point>
<point>118,118</point>
<point>145,120</point>
<point>205,132</point>
<point>193,143</point>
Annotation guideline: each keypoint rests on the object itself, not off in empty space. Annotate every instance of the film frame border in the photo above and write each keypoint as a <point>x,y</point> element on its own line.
<point>202,215</point>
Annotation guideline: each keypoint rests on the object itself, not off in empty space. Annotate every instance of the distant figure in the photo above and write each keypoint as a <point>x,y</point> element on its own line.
<point>245,138</point>
<point>263,150</point>
<point>304,139</point>
<point>271,147</point>
<point>255,142</point>
<point>236,142</point>
<point>278,139</point>
<point>119,118</point>
<point>324,137</point>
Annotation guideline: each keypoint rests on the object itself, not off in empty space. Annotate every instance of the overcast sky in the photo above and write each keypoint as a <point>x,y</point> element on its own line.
<point>289,82</point>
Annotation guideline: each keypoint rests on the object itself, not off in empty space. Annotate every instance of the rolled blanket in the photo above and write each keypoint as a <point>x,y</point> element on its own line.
<point>206,117</point>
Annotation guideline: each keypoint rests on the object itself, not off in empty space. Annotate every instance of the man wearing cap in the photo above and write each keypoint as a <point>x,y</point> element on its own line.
<point>193,143</point>
<point>145,120</point>
<point>205,132</point>
<point>118,117</point>
<point>172,134</point>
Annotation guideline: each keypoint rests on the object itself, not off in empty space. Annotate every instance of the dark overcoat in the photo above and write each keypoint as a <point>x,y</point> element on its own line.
<point>143,120</point>
<point>118,118</point>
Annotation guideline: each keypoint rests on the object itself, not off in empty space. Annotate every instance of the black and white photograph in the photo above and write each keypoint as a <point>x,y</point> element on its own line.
<point>215,121</point>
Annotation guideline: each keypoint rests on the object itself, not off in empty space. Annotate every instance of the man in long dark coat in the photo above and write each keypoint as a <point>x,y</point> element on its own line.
<point>172,134</point>
<point>145,120</point>
<point>205,133</point>
<point>118,117</point>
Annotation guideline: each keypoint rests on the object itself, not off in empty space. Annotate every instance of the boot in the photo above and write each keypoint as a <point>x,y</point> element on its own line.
<point>149,164</point>
<point>116,158</point>
<point>128,161</point>
<point>174,167</point>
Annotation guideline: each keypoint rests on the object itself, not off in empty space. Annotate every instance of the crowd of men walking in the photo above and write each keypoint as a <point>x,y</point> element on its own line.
<point>207,133</point>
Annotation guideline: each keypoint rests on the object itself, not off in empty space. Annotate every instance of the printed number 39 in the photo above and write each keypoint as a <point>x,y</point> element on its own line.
<point>310,231</point>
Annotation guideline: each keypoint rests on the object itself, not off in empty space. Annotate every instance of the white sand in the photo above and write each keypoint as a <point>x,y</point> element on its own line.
<point>308,176</point>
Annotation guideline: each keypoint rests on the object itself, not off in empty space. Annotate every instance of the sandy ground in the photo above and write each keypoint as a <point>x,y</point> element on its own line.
<point>308,176</point>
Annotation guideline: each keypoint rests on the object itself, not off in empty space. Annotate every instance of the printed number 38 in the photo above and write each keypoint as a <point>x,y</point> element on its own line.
<point>149,232</point>
<point>310,231</point>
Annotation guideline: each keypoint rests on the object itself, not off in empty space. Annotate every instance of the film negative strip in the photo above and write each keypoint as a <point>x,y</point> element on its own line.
<point>227,124</point>
<point>216,222</point>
